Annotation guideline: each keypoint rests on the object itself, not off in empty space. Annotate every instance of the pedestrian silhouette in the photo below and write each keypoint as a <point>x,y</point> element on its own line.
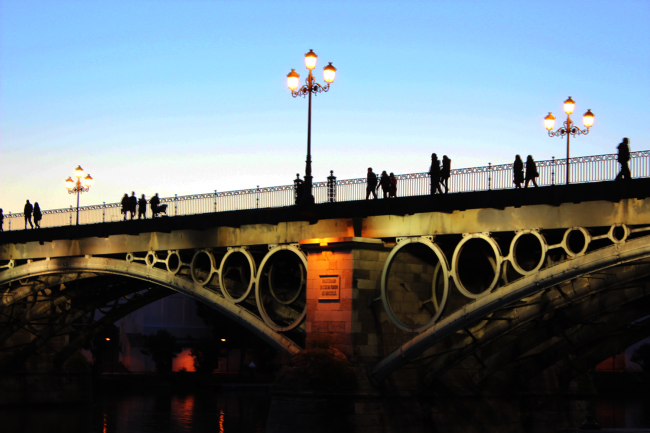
<point>393,186</point>
<point>156,207</point>
<point>531,171</point>
<point>623,159</point>
<point>133,203</point>
<point>384,183</point>
<point>298,188</point>
<point>434,174</point>
<point>2,221</point>
<point>28,214</point>
<point>445,173</point>
<point>142,207</point>
<point>371,183</point>
<point>38,216</point>
<point>518,172</point>
<point>125,205</point>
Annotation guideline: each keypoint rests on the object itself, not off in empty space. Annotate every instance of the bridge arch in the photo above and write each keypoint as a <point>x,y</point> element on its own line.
<point>144,272</point>
<point>617,254</point>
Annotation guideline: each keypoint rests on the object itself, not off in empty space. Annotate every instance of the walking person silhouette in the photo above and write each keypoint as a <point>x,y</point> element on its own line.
<point>28,214</point>
<point>142,207</point>
<point>623,159</point>
<point>518,172</point>
<point>531,171</point>
<point>38,216</point>
<point>445,173</point>
<point>434,174</point>
<point>371,183</point>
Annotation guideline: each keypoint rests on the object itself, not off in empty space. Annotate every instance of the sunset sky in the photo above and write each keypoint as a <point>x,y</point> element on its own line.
<point>184,97</point>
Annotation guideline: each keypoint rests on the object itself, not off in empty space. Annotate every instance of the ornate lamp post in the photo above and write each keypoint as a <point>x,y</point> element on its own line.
<point>311,86</point>
<point>76,187</point>
<point>569,128</point>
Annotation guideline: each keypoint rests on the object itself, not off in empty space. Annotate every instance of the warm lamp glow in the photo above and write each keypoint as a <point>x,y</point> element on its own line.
<point>549,121</point>
<point>588,119</point>
<point>569,105</point>
<point>108,339</point>
<point>79,172</point>
<point>69,183</point>
<point>223,339</point>
<point>88,181</point>
<point>310,59</point>
<point>329,73</point>
<point>292,79</point>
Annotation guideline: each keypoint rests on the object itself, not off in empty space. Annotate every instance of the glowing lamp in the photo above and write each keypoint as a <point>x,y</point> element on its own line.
<point>329,73</point>
<point>549,121</point>
<point>69,183</point>
<point>569,105</point>
<point>88,181</point>
<point>292,79</point>
<point>310,59</point>
<point>588,119</point>
<point>78,172</point>
<point>108,339</point>
<point>223,339</point>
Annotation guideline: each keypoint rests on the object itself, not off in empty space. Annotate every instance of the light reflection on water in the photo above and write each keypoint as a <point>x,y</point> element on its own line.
<point>166,412</point>
<point>161,412</point>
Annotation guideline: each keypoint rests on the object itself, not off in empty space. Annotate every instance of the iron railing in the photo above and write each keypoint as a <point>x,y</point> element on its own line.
<point>584,169</point>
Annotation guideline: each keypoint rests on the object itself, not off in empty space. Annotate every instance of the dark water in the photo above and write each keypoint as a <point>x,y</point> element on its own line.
<point>167,412</point>
<point>161,412</point>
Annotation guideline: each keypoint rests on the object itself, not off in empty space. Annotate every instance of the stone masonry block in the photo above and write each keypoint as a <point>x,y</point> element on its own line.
<point>369,255</point>
<point>319,327</point>
<point>329,306</point>
<point>336,327</point>
<point>367,284</point>
<point>346,305</point>
<point>361,274</point>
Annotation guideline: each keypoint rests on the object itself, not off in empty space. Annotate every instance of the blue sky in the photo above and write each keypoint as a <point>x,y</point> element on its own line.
<point>184,97</point>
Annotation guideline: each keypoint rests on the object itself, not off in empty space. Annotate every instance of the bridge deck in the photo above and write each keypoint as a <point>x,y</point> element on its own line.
<point>499,199</point>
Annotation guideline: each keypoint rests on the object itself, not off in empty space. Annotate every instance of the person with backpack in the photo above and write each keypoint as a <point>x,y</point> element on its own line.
<point>623,159</point>
<point>531,171</point>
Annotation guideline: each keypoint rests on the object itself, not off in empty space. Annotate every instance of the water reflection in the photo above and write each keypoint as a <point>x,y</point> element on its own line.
<point>159,412</point>
<point>622,412</point>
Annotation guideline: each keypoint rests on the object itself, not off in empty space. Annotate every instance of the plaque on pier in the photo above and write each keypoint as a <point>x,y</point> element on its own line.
<point>330,288</point>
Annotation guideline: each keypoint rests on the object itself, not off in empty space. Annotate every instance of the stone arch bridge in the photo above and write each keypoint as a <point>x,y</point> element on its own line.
<point>462,293</point>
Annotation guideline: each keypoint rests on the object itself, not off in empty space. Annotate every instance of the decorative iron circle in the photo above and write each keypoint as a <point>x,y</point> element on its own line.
<point>253,268</point>
<point>291,300</point>
<point>513,249</point>
<point>150,259</point>
<point>258,295</point>
<point>565,241</point>
<point>129,257</point>
<point>212,267</point>
<point>626,233</point>
<point>180,262</point>
<point>497,265</point>
<point>442,261</point>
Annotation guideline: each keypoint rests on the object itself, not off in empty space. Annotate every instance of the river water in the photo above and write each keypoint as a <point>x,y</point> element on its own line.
<point>171,412</point>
